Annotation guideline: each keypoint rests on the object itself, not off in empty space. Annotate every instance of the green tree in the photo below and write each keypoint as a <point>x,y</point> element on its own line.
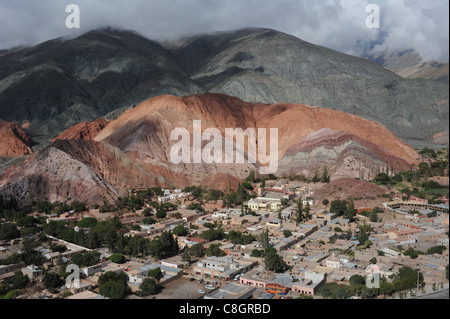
<point>18,281</point>
<point>386,288</point>
<point>195,206</point>
<point>58,248</point>
<point>44,207</point>
<point>117,258</point>
<point>398,178</point>
<point>86,259</point>
<point>161,214</point>
<point>209,225</point>
<point>287,233</point>
<point>251,176</point>
<point>436,250</point>
<point>338,207</point>
<point>87,222</point>
<point>186,256</point>
<point>383,178</point>
<point>52,281</point>
<point>196,191</point>
<point>29,254</point>
<point>149,221</point>
<point>155,273</point>
<point>213,234</point>
<point>307,211</point>
<point>263,239</point>
<point>357,280</point>
<point>334,291</point>
<point>28,221</point>
<point>180,230</point>
<point>350,211</point>
<point>273,261</point>
<point>112,276</point>
<point>411,252</point>
<point>78,206</point>
<point>363,233</point>
<point>446,272</point>
<point>168,245</point>
<point>373,216</point>
<point>257,253</point>
<point>197,251</point>
<point>149,287</point>
<point>114,290</point>
<point>406,279</point>
<point>325,175</point>
<point>8,231</point>
<point>299,211</point>
<point>214,250</point>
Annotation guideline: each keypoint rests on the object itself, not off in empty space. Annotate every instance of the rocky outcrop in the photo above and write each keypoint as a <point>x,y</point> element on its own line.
<point>362,193</point>
<point>343,154</point>
<point>76,169</point>
<point>441,138</point>
<point>14,142</point>
<point>83,131</point>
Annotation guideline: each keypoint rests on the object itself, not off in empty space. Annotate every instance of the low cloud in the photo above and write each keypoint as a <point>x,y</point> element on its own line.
<point>338,24</point>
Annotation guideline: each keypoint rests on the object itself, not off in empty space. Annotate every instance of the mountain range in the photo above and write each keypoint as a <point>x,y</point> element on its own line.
<point>409,64</point>
<point>61,83</point>
<point>91,117</point>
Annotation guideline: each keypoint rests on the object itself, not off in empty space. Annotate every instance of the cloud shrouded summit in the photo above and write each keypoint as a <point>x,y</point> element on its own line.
<point>338,24</point>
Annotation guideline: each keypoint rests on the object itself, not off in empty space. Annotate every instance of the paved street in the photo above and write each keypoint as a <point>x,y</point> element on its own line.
<point>443,294</point>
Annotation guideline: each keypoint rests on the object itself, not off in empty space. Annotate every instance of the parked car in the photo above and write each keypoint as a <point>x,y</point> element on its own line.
<point>210,287</point>
<point>201,291</point>
<point>200,281</point>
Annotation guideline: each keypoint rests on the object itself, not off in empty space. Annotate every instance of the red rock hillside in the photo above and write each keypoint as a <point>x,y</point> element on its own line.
<point>83,131</point>
<point>144,132</point>
<point>294,121</point>
<point>134,150</point>
<point>14,142</point>
<point>362,193</point>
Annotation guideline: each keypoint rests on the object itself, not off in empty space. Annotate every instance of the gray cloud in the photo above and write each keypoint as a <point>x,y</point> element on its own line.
<point>421,25</point>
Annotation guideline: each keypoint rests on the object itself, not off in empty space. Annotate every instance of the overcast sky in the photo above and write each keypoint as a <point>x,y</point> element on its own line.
<point>422,25</point>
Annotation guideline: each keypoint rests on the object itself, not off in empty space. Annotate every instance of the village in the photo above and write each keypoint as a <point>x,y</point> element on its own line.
<point>263,249</point>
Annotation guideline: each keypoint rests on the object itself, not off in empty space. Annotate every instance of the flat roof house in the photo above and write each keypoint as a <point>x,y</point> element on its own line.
<point>87,294</point>
<point>222,267</point>
<point>88,271</point>
<point>232,291</point>
<point>310,284</point>
<point>32,272</point>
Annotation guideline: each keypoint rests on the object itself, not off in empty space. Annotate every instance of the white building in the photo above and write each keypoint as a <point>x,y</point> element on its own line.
<point>310,201</point>
<point>163,199</point>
